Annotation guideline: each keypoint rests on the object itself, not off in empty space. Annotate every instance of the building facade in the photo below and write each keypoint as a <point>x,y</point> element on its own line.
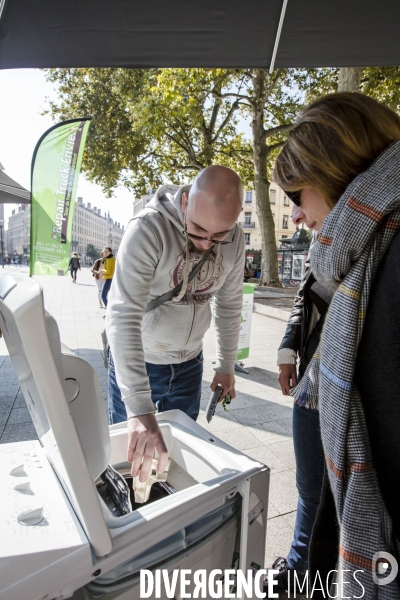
<point>18,233</point>
<point>140,203</point>
<point>281,211</point>
<point>3,234</point>
<point>248,219</point>
<point>89,226</point>
<point>114,234</point>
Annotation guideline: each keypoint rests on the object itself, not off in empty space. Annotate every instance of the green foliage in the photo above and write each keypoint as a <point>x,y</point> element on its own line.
<point>270,103</point>
<point>149,126</point>
<point>157,125</point>
<point>153,125</point>
<point>92,251</point>
<point>381,83</point>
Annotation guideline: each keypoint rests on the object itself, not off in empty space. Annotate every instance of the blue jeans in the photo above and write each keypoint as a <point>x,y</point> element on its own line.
<point>172,386</point>
<point>104,292</point>
<point>309,473</point>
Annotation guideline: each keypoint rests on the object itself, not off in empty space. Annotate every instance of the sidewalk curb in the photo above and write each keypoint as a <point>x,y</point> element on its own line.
<point>270,311</point>
<point>290,291</point>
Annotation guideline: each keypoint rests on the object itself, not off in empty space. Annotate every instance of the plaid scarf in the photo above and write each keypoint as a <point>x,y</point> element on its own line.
<point>353,240</point>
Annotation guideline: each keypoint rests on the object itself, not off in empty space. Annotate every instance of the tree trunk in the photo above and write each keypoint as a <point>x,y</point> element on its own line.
<point>349,79</point>
<point>269,272</point>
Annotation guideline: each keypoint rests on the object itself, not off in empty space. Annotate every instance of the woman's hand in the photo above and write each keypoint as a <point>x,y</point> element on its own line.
<point>287,378</point>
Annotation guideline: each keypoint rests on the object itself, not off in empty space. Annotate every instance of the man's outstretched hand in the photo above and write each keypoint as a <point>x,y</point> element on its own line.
<point>227,382</point>
<point>144,436</point>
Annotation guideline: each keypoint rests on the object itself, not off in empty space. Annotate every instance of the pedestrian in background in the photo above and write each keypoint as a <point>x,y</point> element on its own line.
<point>74,265</point>
<point>98,277</point>
<point>341,167</point>
<point>248,273</point>
<point>107,272</point>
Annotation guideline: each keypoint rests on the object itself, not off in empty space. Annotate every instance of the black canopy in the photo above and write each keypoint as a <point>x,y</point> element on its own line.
<point>198,33</point>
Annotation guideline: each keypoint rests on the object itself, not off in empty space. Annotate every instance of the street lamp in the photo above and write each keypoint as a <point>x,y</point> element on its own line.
<point>1,242</point>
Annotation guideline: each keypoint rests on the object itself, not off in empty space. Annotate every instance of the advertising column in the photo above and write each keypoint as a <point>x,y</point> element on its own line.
<point>56,165</point>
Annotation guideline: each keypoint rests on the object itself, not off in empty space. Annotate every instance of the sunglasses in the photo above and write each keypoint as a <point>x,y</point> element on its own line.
<point>199,238</point>
<point>295,197</point>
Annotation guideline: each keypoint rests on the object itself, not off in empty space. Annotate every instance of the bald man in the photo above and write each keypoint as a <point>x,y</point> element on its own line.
<point>156,359</point>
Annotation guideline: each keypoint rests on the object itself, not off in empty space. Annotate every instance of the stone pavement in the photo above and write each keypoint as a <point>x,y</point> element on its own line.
<point>280,300</point>
<point>258,421</point>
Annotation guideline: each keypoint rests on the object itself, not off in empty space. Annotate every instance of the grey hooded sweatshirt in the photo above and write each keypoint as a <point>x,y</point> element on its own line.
<point>152,260</point>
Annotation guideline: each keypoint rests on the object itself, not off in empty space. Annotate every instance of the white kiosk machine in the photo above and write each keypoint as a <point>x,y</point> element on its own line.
<point>63,533</point>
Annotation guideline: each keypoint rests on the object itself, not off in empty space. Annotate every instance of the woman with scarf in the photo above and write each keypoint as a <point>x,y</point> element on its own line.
<point>341,168</point>
<point>301,339</point>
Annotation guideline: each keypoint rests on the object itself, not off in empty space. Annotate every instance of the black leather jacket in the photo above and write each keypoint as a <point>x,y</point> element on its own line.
<point>296,330</point>
<point>297,336</point>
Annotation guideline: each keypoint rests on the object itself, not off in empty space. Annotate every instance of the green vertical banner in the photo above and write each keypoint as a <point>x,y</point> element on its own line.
<point>56,165</point>
<point>245,321</point>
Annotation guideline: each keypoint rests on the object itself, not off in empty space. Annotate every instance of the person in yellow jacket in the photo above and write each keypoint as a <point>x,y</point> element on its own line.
<point>107,272</point>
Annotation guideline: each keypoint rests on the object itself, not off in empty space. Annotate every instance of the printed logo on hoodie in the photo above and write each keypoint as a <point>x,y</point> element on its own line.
<point>205,280</point>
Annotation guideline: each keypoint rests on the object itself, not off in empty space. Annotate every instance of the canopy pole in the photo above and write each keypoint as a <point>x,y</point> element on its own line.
<point>278,36</point>
<point>2,4</point>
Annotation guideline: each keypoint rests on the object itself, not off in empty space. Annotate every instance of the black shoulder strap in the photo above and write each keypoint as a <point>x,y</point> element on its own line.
<point>169,295</point>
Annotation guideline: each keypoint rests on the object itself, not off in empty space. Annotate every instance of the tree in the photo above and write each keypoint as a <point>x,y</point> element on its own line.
<point>349,79</point>
<point>92,252</point>
<point>273,110</point>
<point>152,125</point>
<point>149,126</point>
<point>381,83</point>
<point>273,102</point>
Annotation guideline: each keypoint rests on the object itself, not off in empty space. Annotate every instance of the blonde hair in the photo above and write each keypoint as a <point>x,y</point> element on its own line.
<point>335,138</point>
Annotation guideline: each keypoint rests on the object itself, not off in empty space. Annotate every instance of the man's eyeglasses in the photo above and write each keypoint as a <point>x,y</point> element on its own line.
<point>200,238</point>
<point>295,197</point>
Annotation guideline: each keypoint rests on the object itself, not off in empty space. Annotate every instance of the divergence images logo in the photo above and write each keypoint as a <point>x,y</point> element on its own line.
<point>384,568</point>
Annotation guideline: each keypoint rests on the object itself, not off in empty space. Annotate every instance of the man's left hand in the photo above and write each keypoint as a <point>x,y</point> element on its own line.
<point>227,382</point>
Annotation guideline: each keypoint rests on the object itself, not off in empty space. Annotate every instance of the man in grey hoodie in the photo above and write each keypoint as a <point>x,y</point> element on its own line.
<point>158,354</point>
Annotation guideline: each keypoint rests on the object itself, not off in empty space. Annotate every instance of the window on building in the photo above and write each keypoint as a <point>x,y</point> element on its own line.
<point>285,222</point>
<point>249,196</point>
<point>247,238</point>
<point>273,216</point>
<point>247,218</point>
<point>272,196</point>
<point>285,201</point>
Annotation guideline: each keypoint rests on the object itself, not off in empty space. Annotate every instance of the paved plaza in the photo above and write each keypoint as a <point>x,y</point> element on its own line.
<point>258,421</point>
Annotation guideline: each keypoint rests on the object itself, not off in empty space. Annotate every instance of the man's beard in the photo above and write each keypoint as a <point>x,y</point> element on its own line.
<point>193,245</point>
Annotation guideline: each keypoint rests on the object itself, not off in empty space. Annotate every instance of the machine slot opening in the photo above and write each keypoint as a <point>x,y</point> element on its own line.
<point>178,480</point>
